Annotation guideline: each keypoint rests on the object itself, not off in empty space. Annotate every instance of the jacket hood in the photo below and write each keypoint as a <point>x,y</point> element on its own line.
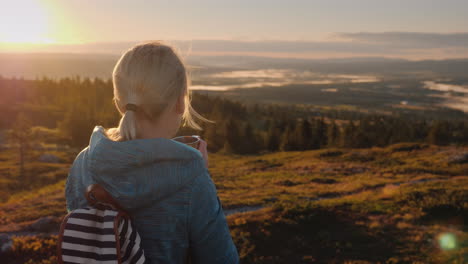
<point>136,172</point>
<point>108,156</point>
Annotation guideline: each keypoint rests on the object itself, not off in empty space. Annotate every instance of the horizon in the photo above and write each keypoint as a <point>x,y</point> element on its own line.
<point>306,50</point>
<point>115,55</point>
<point>416,30</point>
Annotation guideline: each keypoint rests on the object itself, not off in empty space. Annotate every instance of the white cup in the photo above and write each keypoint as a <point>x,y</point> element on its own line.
<point>192,141</point>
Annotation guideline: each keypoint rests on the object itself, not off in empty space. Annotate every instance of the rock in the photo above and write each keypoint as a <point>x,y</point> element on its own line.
<point>45,224</point>
<point>270,200</point>
<point>327,170</point>
<point>358,169</point>
<point>243,209</point>
<point>50,158</point>
<point>330,153</point>
<point>407,146</point>
<point>361,156</point>
<point>323,181</point>
<point>458,159</point>
<point>5,243</point>
<point>287,183</point>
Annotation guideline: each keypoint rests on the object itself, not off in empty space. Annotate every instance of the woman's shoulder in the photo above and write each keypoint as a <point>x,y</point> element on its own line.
<point>80,158</point>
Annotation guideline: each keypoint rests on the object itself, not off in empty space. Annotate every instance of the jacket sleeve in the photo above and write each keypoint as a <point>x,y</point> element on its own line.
<point>210,239</point>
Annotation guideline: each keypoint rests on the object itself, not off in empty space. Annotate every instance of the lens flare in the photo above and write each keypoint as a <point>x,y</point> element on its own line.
<point>447,241</point>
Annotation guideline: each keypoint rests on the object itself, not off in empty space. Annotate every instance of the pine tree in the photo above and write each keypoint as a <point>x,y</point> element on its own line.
<point>439,133</point>
<point>249,142</point>
<point>303,134</point>
<point>21,136</point>
<point>319,134</point>
<point>227,148</point>
<point>213,139</point>
<point>273,137</point>
<point>77,126</point>
<point>288,138</point>
<point>231,136</point>
<point>333,135</point>
<point>347,137</point>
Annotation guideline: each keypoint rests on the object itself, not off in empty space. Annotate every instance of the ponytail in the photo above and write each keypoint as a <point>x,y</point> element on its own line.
<point>128,126</point>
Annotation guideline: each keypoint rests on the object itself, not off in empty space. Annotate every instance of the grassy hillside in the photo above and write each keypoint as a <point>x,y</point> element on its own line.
<point>402,204</point>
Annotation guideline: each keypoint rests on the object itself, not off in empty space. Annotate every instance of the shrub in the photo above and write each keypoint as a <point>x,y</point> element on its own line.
<point>358,156</point>
<point>438,204</point>
<point>32,249</point>
<point>330,153</point>
<point>407,146</point>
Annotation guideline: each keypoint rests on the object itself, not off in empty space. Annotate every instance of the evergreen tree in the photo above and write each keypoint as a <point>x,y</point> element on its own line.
<point>460,134</point>
<point>273,137</point>
<point>347,137</point>
<point>249,141</point>
<point>20,135</point>
<point>213,138</point>
<point>231,136</point>
<point>287,142</point>
<point>77,126</point>
<point>303,134</point>
<point>362,135</point>
<point>381,132</point>
<point>319,134</point>
<point>333,135</point>
<point>227,148</point>
<point>439,133</point>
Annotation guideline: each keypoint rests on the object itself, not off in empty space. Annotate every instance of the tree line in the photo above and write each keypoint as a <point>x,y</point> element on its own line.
<point>73,106</point>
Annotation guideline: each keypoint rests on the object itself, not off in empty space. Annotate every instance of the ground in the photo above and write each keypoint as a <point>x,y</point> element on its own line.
<point>405,203</point>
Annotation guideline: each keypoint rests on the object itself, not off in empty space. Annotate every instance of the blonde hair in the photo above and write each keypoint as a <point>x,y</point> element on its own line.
<point>150,75</point>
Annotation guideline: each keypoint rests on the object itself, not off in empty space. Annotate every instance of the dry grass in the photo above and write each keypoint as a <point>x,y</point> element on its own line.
<point>369,216</point>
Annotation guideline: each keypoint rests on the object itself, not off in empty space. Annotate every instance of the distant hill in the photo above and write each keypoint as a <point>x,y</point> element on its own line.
<point>56,65</point>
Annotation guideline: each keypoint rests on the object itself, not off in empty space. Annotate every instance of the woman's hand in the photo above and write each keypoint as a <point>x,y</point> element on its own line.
<point>202,148</point>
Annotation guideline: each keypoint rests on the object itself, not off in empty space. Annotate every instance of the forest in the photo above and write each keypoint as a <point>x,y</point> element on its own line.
<point>64,111</point>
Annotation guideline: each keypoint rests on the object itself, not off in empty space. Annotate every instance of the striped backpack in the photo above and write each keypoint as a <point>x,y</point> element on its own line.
<point>99,233</point>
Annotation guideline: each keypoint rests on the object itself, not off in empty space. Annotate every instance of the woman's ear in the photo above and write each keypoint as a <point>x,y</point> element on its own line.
<point>180,104</point>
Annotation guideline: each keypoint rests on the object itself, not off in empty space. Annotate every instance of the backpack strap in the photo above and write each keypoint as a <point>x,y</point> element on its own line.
<point>99,198</point>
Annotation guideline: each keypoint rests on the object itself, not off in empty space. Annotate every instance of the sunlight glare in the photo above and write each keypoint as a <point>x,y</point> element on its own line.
<point>24,21</point>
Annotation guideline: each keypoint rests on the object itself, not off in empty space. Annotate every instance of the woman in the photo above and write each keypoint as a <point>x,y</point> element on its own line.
<point>164,184</point>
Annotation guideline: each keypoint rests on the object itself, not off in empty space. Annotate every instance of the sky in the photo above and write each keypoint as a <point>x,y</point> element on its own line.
<point>310,28</point>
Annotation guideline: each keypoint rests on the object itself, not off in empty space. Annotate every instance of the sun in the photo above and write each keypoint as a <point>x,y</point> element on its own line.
<point>24,21</point>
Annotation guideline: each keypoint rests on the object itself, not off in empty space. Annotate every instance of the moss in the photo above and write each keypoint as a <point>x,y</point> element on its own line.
<point>364,211</point>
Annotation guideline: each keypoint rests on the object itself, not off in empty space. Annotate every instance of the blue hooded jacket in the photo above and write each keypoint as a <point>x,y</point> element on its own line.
<point>168,191</point>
